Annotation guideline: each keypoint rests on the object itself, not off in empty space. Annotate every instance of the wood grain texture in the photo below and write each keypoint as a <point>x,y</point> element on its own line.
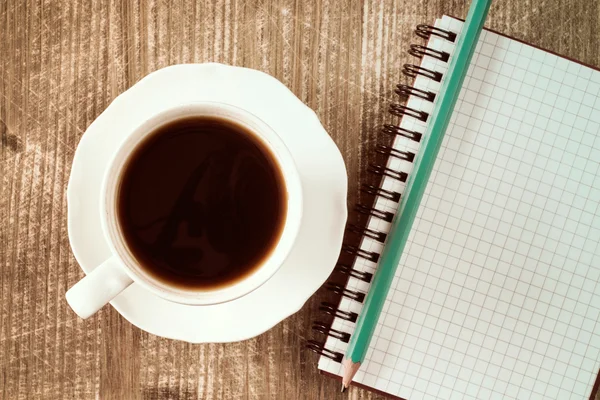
<point>63,62</point>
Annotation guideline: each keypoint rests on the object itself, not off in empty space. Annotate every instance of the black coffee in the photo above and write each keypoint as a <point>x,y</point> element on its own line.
<point>202,203</point>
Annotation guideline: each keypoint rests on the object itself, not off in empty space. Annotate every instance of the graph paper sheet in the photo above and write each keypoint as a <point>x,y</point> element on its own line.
<point>497,294</point>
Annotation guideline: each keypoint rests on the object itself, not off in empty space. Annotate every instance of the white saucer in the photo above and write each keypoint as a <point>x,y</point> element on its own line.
<point>324,184</point>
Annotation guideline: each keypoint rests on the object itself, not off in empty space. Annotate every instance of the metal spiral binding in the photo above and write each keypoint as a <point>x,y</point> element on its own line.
<point>384,215</point>
<point>420,51</point>
<point>401,111</point>
<point>331,309</point>
<point>407,91</point>
<point>390,151</point>
<point>341,290</point>
<point>326,330</point>
<point>375,235</point>
<point>377,191</point>
<point>360,275</point>
<point>384,171</point>
<point>426,31</point>
<point>413,70</point>
<point>320,349</point>
<point>358,252</point>
<point>396,130</point>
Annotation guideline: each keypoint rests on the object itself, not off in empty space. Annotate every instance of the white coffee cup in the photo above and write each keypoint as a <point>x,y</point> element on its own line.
<point>122,269</point>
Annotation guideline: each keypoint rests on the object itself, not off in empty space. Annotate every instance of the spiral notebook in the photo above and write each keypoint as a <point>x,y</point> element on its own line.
<point>497,294</point>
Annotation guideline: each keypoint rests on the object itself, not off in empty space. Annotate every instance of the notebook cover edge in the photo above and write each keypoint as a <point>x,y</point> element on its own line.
<point>360,385</point>
<point>595,68</point>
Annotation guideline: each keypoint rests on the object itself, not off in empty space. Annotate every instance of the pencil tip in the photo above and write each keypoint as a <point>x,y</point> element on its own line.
<point>343,388</point>
<point>350,369</point>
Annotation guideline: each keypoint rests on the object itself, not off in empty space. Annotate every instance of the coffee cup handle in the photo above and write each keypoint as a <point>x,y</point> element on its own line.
<point>99,287</point>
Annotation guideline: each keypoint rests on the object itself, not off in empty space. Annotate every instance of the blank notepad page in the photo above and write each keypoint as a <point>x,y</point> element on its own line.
<point>497,295</point>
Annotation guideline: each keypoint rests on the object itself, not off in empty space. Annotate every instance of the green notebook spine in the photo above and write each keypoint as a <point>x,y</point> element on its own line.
<point>345,270</point>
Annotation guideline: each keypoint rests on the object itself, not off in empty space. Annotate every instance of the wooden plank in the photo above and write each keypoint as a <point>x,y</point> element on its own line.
<point>62,63</point>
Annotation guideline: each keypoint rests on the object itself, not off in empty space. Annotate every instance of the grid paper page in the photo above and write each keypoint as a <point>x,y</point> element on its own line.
<point>498,291</point>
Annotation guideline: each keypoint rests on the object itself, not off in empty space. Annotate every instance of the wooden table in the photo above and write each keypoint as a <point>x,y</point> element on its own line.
<point>62,63</point>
